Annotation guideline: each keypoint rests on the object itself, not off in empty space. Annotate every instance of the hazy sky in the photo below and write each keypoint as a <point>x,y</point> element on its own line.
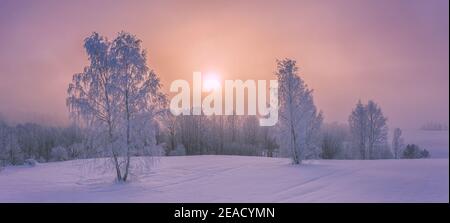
<point>394,52</point>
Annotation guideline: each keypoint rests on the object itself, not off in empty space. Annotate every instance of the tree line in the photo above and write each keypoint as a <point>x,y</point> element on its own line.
<point>119,112</point>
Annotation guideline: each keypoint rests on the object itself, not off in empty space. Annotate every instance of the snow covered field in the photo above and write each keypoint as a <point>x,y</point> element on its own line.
<point>233,179</point>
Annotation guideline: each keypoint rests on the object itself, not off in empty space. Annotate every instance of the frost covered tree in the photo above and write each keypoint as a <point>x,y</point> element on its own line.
<point>299,120</point>
<point>397,143</point>
<point>59,153</point>
<point>368,128</point>
<point>90,96</point>
<point>377,132</point>
<point>334,140</point>
<point>10,152</point>
<point>193,133</point>
<point>269,143</point>
<point>250,129</point>
<point>178,151</point>
<point>358,128</point>
<point>118,97</point>
<point>139,99</point>
<point>3,153</point>
<point>232,123</point>
<point>171,125</point>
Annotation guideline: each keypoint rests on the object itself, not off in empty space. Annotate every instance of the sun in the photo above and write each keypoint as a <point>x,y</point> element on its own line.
<point>211,82</point>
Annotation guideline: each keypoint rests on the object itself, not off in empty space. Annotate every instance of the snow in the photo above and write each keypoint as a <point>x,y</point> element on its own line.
<point>232,179</point>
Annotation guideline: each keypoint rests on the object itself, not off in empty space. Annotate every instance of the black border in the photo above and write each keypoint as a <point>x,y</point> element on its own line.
<point>284,212</point>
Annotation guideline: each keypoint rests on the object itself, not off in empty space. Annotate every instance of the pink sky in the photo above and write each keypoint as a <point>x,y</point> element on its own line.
<point>394,52</point>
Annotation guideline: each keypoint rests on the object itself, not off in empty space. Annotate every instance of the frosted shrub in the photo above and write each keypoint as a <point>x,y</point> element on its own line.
<point>30,162</point>
<point>179,151</point>
<point>59,153</point>
<point>413,151</point>
<point>75,151</point>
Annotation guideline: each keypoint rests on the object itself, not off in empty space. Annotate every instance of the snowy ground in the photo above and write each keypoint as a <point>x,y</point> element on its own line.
<point>233,179</point>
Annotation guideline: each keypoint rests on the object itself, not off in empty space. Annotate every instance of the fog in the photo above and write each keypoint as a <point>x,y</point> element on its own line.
<point>394,52</point>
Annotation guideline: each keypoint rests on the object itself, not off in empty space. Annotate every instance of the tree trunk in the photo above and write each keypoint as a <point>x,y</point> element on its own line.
<point>127,166</point>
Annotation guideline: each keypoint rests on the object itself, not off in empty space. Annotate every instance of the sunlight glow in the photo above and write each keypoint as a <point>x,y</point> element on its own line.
<point>211,82</point>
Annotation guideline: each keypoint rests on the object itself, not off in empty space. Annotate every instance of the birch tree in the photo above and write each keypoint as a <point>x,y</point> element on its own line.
<point>118,97</point>
<point>368,127</point>
<point>358,128</point>
<point>377,131</point>
<point>299,119</point>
